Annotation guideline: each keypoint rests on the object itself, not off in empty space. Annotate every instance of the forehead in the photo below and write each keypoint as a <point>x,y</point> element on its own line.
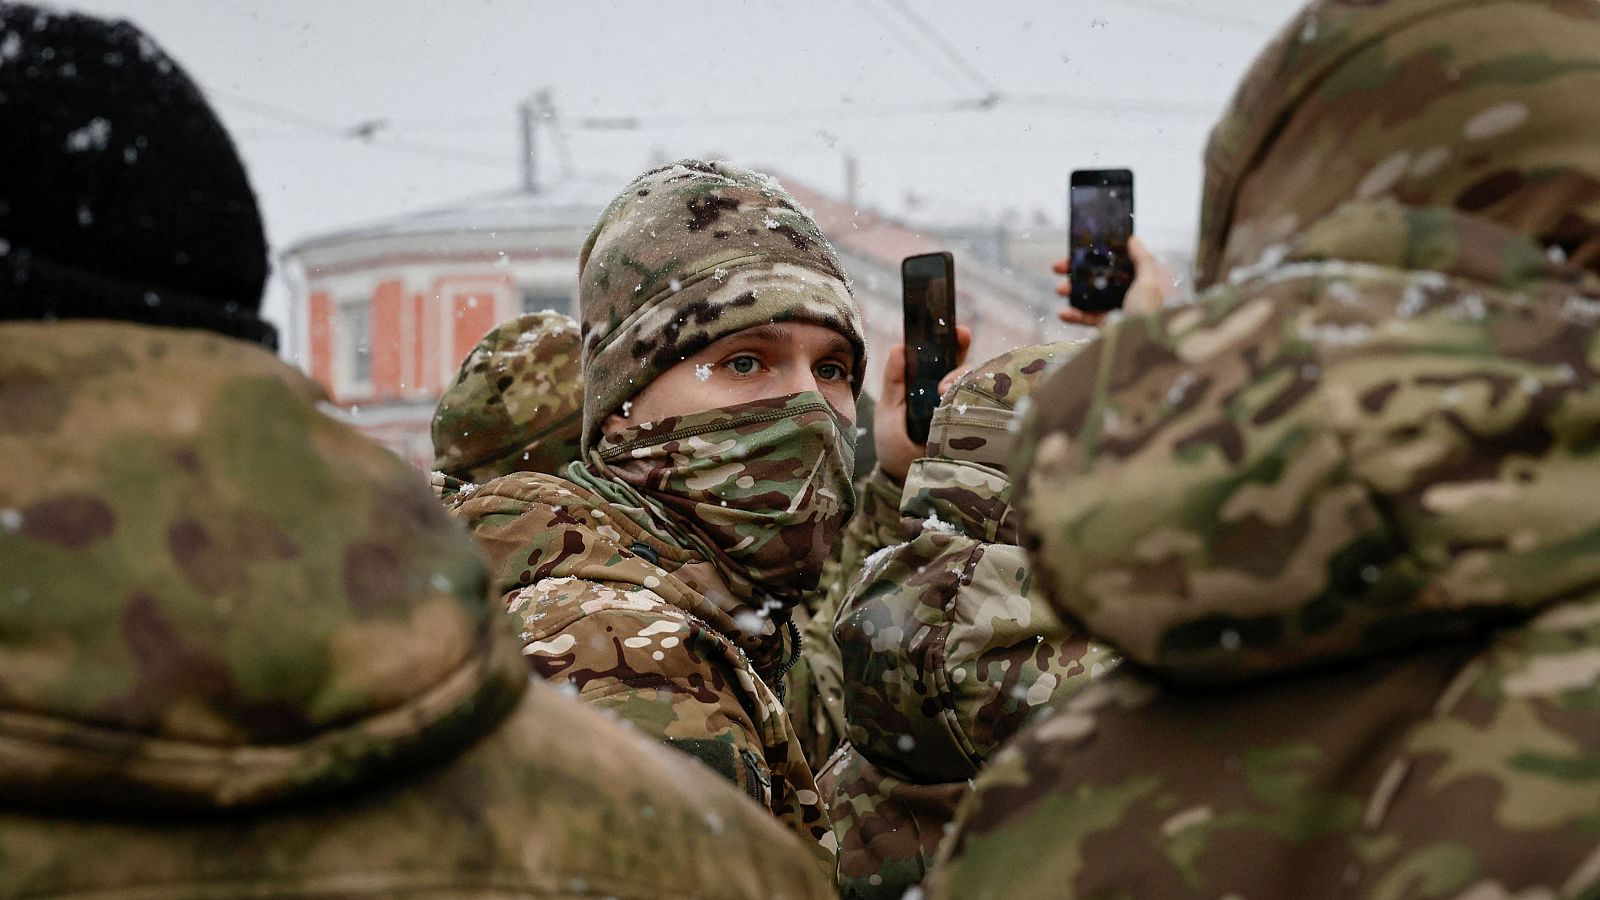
<point>800,335</point>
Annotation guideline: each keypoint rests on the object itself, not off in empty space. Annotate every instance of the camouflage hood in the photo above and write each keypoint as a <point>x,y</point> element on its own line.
<point>1379,435</point>
<point>688,254</point>
<point>1480,106</point>
<point>212,595</point>
<point>516,404</point>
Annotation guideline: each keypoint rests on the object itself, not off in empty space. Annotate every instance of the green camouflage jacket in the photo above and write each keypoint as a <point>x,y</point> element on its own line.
<point>621,618</point>
<point>815,695</point>
<point>244,653</point>
<point>946,651</point>
<point>1338,514</point>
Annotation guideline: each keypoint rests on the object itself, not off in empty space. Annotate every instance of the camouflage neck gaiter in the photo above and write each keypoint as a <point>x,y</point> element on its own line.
<point>762,488</point>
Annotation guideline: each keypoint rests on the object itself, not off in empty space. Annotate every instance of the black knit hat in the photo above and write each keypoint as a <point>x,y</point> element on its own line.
<point>121,195</point>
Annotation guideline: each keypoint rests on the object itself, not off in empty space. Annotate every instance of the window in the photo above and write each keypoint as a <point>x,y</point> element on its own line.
<point>539,299</point>
<point>355,348</point>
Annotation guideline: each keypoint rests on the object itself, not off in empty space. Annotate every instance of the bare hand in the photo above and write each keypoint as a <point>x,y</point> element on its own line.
<point>896,450</point>
<point>1152,284</point>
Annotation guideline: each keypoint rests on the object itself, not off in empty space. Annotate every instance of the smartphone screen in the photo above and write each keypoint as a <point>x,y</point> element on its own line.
<point>928,283</point>
<point>1102,223</point>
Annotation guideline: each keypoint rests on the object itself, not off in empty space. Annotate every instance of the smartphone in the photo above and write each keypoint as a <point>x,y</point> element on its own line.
<point>928,284</point>
<point>1097,247</point>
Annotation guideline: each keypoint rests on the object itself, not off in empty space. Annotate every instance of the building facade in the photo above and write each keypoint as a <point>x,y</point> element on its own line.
<point>382,316</point>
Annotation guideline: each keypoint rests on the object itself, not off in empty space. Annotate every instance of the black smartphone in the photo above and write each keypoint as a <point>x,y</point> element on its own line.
<point>1097,247</point>
<point>928,284</point>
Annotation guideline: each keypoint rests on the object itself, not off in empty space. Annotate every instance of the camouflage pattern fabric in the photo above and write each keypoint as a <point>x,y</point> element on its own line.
<point>892,825</point>
<point>1433,102</point>
<point>762,489</point>
<point>1333,493</point>
<point>946,651</point>
<point>517,403</point>
<point>647,630</point>
<point>817,707</point>
<point>688,254</point>
<point>245,653</point>
<point>866,445</point>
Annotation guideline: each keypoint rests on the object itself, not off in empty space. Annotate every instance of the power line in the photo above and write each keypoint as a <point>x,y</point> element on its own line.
<point>366,131</point>
<point>1171,8</point>
<point>949,51</point>
<point>896,31</point>
<point>282,114</point>
<point>1012,102</point>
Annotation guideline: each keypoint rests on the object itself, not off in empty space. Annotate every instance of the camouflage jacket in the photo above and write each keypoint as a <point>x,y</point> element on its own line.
<point>1337,514</point>
<point>815,687</point>
<point>946,650</point>
<point>246,654</point>
<point>1400,473</point>
<point>620,618</point>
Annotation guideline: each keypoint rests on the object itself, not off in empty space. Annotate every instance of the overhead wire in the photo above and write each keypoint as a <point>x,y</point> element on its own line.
<point>949,52</point>
<point>1213,17</point>
<point>896,31</point>
<point>363,131</point>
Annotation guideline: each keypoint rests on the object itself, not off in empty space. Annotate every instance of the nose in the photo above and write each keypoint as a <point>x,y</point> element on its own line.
<point>798,379</point>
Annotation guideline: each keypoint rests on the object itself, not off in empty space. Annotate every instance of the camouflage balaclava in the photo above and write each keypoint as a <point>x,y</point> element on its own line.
<point>688,254</point>
<point>1479,107</point>
<point>517,403</point>
<point>762,488</point>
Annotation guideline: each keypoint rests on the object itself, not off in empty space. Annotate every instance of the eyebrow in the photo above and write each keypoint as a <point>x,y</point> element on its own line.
<point>775,333</point>
<point>768,332</point>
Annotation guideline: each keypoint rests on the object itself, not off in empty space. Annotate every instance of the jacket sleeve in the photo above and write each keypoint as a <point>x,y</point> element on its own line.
<point>661,674</point>
<point>875,525</point>
<point>815,687</point>
<point>888,829</point>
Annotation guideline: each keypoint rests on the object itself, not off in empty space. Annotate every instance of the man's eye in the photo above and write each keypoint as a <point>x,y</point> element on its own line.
<point>832,372</point>
<point>743,365</point>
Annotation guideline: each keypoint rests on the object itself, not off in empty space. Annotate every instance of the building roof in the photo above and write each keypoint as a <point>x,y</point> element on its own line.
<point>574,203</point>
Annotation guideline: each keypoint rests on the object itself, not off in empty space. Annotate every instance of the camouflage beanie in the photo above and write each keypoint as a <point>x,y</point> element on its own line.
<point>1481,106</point>
<point>689,254</point>
<point>515,405</point>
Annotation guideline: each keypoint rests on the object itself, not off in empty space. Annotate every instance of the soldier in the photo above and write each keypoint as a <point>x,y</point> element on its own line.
<point>516,405</point>
<point>244,652</point>
<point>722,358</point>
<point>1339,514</point>
<point>947,651</point>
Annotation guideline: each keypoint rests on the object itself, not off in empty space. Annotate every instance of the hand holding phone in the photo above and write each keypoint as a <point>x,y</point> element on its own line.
<point>929,291</point>
<point>1098,260</point>
<point>896,451</point>
<point>1152,285</point>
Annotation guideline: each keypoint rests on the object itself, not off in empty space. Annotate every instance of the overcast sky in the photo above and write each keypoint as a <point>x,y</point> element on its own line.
<point>791,87</point>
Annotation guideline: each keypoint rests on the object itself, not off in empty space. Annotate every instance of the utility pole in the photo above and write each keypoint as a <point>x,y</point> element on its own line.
<point>530,145</point>
<point>852,180</point>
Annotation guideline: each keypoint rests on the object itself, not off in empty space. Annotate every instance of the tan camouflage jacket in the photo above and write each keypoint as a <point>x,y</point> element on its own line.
<point>641,640</point>
<point>946,650</point>
<point>246,654</point>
